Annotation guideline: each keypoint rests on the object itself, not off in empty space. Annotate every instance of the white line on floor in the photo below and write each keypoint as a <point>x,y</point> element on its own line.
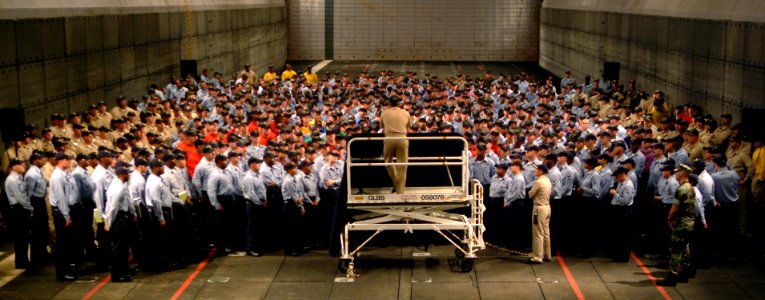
<point>320,66</point>
<point>8,267</point>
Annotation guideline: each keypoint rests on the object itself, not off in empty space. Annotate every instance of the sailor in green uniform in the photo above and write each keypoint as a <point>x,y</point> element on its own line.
<point>681,221</point>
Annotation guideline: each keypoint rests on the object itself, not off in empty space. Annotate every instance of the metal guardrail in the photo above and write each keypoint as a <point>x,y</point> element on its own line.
<point>463,160</point>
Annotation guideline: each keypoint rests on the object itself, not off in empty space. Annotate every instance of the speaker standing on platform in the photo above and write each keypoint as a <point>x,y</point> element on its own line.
<point>395,123</point>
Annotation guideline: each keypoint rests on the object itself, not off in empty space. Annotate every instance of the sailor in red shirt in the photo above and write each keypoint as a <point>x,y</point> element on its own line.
<point>212,134</point>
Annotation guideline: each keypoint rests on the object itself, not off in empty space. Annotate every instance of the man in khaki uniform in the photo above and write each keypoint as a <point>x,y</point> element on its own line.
<point>605,108</point>
<point>692,145</point>
<point>59,127</point>
<point>251,75</point>
<point>395,123</point>
<point>102,139</point>
<point>46,145</point>
<point>666,133</point>
<point>17,150</point>
<point>722,133</point>
<point>104,117</point>
<point>87,146</point>
<point>741,163</point>
<point>121,110</point>
<point>540,219</point>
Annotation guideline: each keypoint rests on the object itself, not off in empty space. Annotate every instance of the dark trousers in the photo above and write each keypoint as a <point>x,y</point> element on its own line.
<point>167,238</point>
<point>20,223</point>
<point>293,227</point>
<point>77,251</point>
<point>62,250</point>
<point>643,207</point>
<point>493,219</point>
<point>145,237</point>
<point>226,221</point>
<point>150,242</point>
<point>556,218</point>
<point>40,236</point>
<point>207,219</point>
<point>121,240</point>
<point>182,232</point>
<point>256,227</point>
<point>311,221</point>
<point>325,212</point>
<point>239,213</point>
<point>703,245</point>
<point>104,246</point>
<point>275,216</point>
<point>726,231</point>
<point>515,229</point>
<point>87,235</point>
<point>567,224</point>
<point>621,231</point>
<point>586,224</point>
<point>661,232</point>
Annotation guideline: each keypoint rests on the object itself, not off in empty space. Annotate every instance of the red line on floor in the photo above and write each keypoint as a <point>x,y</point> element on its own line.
<point>570,277</point>
<point>98,287</point>
<point>650,276</point>
<point>193,275</point>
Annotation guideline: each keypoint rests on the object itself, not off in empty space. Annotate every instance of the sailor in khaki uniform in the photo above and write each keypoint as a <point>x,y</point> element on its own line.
<point>540,238</point>
<point>395,123</point>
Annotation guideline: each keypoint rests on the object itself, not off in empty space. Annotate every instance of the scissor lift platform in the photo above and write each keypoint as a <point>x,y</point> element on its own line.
<point>446,200</point>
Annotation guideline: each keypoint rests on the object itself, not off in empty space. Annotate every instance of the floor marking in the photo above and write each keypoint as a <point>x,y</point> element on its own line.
<point>9,263</point>
<point>193,275</point>
<point>98,287</point>
<point>320,66</point>
<point>570,277</point>
<point>648,273</point>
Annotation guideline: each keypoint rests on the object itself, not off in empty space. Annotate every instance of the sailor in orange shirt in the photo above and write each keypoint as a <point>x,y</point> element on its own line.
<point>265,135</point>
<point>212,134</point>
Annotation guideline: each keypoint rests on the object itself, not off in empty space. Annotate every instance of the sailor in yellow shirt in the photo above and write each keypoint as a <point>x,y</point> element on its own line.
<point>758,181</point>
<point>288,73</point>
<point>310,77</point>
<point>270,75</point>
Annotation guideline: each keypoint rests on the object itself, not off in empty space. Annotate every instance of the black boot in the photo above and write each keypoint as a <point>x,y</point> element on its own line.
<point>683,276</point>
<point>690,272</point>
<point>670,280</point>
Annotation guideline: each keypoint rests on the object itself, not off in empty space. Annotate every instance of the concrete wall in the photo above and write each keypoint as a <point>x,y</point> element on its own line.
<point>484,30</point>
<point>706,52</point>
<point>97,50</point>
<point>306,29</point>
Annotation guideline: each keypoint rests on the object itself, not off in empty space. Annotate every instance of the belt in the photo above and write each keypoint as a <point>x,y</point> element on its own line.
<point>395,134</point>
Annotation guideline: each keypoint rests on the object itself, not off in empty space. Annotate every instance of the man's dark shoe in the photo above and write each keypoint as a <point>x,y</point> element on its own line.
<point>670,280</point>
<point>123,278</point>
<point>67,277</point>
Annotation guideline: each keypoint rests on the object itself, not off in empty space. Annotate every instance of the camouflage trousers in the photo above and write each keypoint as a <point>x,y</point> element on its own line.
<point>679,250</point>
